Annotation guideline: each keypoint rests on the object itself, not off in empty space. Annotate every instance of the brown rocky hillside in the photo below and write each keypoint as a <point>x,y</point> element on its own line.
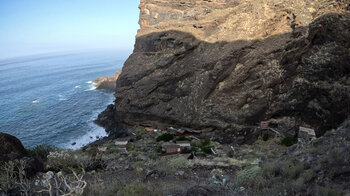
<point>224,66</point>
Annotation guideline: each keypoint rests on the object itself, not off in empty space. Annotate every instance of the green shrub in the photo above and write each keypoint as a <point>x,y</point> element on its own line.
<point>165,137</point>
<point>206,149</point>
<point>139,166</point>
<point>187,150</point>
<point>136,189</point>
<point>250,177</point>
<point>290,170</point>
<point>201,154</point>
<point>183,138</point>
<point>41,151</point>
<point>308,175</point>
<point>131,147</point>
<point>162,165</point>
<point>336,157</point>
<point>266,137</point>
<point>101,189</point>
<point>62,160</point>
<point>205,142</point>
<point>287,141</point>
<point>205,146</point>
<point>65,160</point>
<point>230,153</point>
<point>112,150</point>
<point>271,169</point>
<point>178,162</point>
<point>298,185</point>
<point>329,191</point>
<point>158,149</point>
<point>112,189</point>
<point>140,131</point>
<point>138,137</point>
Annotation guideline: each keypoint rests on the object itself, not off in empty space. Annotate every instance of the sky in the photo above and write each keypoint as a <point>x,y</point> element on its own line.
<point>30,27</point>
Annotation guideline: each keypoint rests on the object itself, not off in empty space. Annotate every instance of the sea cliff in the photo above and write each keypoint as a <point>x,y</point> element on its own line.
<point>224,66</point>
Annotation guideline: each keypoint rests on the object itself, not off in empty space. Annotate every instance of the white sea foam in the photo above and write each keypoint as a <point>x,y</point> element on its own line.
<point>93,135</point>
<point>95,132</point>
<point>90,82</point>
<point>92,87</point>
<point>61,97</point>
<point>37,101</point>
<point>77,86</point>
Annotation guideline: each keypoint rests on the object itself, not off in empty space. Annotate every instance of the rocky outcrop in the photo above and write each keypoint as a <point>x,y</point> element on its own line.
<point>107,83</point>
<point>11,145</point>
<point>223,66</point>
<point>13,150</point>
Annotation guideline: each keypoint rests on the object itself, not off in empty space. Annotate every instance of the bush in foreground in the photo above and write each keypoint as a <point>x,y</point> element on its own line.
<point>165,137</point>
<point>287,141</point>
<point>42,151</point>
<point>136,189</point>
<point>250,177</point>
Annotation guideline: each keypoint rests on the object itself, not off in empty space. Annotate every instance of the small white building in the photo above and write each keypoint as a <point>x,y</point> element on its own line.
<point>183,144</point>
<point>121,143</point>
<point>306,134</point>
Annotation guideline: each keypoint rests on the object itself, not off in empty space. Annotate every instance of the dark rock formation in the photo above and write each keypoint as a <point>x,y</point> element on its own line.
<point>224,66</point>
<point>11,145</point>
<point>12,150</point>
<point>106,120</point>
<point>107,83</point>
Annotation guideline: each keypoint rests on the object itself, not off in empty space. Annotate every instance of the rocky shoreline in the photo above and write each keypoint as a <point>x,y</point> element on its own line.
<point>107,83</point>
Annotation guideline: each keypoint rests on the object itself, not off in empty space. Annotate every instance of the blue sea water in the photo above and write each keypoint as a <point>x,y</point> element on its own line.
<point>50,99</point>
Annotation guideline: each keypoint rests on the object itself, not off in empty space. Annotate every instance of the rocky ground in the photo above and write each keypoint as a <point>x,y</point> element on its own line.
<point>269,166</point>
<point>319,167</point>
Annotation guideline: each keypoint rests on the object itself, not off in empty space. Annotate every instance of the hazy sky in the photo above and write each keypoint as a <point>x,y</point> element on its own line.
<point>43,26</point>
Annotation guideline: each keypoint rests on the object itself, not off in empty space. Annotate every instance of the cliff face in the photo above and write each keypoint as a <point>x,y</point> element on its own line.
<point>223,66</point>
<point>231,20</point>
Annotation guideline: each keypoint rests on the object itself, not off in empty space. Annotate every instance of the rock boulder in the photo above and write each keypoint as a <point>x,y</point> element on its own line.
<point>11,145</point>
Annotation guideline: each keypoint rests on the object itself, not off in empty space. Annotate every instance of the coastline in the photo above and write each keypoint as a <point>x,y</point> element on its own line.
<point>55,104</point>
<point>107,83</point>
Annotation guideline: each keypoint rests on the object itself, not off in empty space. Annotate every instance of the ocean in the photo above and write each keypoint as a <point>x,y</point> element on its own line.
<point>50,99</point>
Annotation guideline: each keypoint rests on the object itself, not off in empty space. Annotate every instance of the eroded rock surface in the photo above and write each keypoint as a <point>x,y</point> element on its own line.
<point>224,66</point>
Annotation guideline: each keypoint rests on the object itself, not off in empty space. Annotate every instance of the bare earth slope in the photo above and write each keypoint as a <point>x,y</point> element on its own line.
<point>224,66</point>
